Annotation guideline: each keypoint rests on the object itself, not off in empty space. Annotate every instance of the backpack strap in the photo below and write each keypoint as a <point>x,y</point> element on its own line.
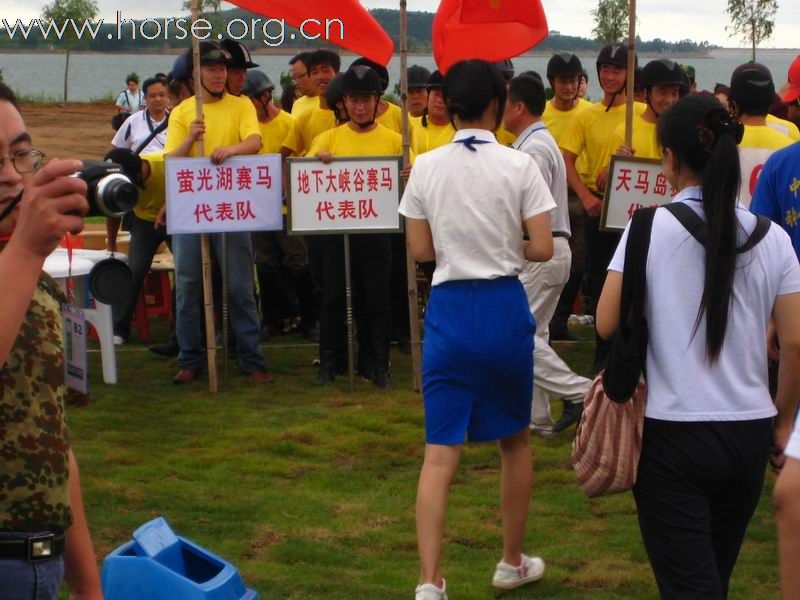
<point>634,278</point>
<point>153,134</point>
<point>695,225</point>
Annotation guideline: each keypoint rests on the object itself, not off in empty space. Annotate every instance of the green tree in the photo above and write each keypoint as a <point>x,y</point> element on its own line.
<point>59,12</point>
<point>611,20</point>
<point>752,20</point>
<point>203,5</point>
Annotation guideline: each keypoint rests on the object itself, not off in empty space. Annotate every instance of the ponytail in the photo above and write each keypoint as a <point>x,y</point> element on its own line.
<point>703,136</point>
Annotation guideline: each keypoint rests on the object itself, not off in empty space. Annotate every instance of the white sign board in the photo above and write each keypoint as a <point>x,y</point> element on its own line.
<point>76,375</point>
<point>242,194</point>
<point>633,183</point>
<point>752,162</point>
<point>349,195</point>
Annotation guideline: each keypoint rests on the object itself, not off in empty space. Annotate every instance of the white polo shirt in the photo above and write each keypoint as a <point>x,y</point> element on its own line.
<point>537,141</point>
<point>136,129</point>
<point>475,203</point>
<point>681,385</point>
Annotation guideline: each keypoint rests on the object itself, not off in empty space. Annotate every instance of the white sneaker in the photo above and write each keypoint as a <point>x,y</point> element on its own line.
<point>507,577</point>
<point>118,340</point>
<point>428,591</point>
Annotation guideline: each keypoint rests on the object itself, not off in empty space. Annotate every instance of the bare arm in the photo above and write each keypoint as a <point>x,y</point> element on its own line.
<point>540,246</point>
<point>786,323</point>
<point>420,239</point>
<point>80,565</point>
<point>591,204</point>
<point>196,131</point>
<point>608,306</point>
<point>786,498</point>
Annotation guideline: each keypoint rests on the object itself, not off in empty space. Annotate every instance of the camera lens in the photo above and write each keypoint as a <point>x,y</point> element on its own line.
<point>116,195</point>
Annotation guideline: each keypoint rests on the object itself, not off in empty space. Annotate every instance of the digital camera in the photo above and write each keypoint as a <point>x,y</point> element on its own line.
<point>110,192</point>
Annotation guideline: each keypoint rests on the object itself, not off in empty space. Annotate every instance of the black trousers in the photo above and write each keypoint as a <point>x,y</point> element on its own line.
<point>697,488</point>
<point>371,264</point>
<point>600,248</point>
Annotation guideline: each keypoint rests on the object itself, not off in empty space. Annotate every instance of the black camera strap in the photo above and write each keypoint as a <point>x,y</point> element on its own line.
<point>7,210</point>
<point>153,134</point>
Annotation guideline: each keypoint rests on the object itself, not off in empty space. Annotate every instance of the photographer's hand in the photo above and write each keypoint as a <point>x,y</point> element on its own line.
<point>52,205</point>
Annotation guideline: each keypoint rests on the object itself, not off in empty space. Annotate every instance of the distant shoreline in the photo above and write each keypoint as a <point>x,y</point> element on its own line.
<point>712,53</point>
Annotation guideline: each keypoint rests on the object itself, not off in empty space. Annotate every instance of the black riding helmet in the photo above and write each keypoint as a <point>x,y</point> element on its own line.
<point>435,82</point>
<point>664,71</point>
<point>362,80</point>
<point>240,55</point>
<point>417,77</point>
<point>615,54</point>
<point>564,63</point>
<point>333,95</point>
<point>383,72</point>
<point>506,68</point>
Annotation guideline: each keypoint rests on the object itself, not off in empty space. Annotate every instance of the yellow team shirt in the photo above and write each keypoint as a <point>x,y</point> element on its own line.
<point>504,136</point>
<point>274,132</point>
<point>764,136</point>
<point>589,133</point>
<point>304,103</point>
<point>343,141</point>
<point>643,141</point>
<point>152,197</point>
<point>425,139</point>
<point>392,118</point>
<point>228,121</point>
<point>558,120</point>
<point>784,126</point>
<point>307,126</point>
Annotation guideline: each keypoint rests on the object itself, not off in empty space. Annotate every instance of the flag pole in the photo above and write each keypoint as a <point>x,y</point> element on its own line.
<point>411,264</point>
<point>631,73</point>
<point>208,299</point>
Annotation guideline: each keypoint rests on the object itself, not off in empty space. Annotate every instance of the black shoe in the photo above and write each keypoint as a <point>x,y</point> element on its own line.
<point>562,335</point>
<point>168,349</point>
<point>382,379</point>
<point>325,376</point>
<point>570,416</point>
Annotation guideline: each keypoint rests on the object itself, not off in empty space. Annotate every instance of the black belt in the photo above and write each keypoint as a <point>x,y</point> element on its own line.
<point>32,547</point>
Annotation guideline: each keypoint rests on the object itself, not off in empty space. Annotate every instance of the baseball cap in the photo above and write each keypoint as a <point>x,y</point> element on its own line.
<point>792,92</point>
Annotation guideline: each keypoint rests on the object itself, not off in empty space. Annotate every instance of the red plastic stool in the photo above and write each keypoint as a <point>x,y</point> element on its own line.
<point>155,299</point>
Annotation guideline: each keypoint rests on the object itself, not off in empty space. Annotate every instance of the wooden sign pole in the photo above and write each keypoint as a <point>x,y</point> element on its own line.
<point>631,73</point>
<point>411,264</point>
<point>208,298</point>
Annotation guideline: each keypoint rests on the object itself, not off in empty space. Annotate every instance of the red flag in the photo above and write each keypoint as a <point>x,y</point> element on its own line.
<point>347,23</point>
<point>489,29</point>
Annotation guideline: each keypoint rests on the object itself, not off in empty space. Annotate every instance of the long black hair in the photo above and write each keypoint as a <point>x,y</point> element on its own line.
<point>703,136</point>
<point>469,88</point>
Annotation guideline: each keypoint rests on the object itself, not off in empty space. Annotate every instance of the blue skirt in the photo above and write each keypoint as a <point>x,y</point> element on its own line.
<point>477,366</point>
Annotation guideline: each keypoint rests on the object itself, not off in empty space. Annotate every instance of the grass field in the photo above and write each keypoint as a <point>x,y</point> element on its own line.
<point>310,492</point>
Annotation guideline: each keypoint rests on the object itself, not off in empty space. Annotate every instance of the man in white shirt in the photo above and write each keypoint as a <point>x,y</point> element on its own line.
<point>544,281</point>
<point>131,99</point>
<point>145,132</point>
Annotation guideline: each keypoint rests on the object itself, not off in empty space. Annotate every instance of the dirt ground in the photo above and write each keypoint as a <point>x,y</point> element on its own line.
<point>72,130</point>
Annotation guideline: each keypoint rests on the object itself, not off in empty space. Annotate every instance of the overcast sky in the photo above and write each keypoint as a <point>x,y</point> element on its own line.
<point>668,19</point>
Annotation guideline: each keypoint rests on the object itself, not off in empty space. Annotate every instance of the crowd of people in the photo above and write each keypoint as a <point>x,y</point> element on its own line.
<point>502,208</point>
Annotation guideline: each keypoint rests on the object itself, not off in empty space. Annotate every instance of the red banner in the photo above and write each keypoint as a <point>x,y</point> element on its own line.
<point>489,29</point>
<point>343,23</point>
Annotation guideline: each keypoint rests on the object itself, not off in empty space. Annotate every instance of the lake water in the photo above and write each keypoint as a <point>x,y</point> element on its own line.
<point>93,76</point>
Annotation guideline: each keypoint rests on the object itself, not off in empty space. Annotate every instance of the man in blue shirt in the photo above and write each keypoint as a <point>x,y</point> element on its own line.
<point>777,194</point>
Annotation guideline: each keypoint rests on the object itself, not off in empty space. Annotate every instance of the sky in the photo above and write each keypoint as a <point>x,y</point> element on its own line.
<point>670,20</point>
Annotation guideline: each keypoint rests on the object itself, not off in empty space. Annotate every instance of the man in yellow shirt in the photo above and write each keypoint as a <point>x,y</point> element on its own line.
<point>752,91</point>
<point>664,84</point>
<point>371,253</point>
<point>229,127</point>
<point>565,72</point>
<point>300,73</point>
<point>389,114</point>
<point>587,138</point>
<point>323,65</point>
<point>417,78</point>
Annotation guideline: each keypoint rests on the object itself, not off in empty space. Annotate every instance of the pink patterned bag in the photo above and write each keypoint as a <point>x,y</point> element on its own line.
<point>608,442</point>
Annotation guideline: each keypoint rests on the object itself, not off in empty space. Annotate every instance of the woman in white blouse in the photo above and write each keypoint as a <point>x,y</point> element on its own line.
<point>709,421</point>
<point>466,206</point>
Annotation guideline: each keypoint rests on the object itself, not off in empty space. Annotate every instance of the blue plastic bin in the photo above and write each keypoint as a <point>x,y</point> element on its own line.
<point>159,565</point>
